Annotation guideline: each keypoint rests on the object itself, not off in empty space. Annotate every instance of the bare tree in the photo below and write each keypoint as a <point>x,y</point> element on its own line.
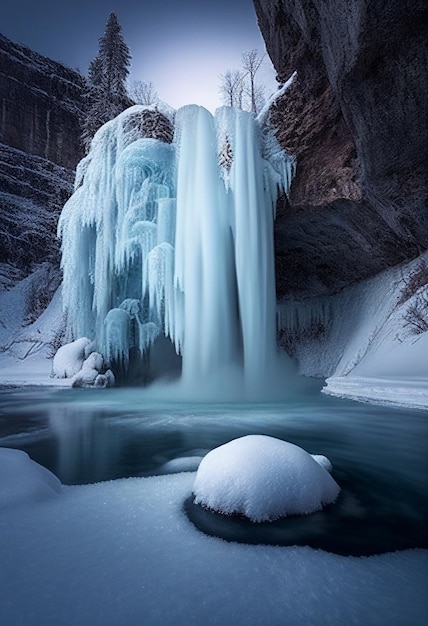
<point>232,88</point>
<point>251,62</point>
<point>259,98</point>
<point>238,88</point>
<point>143,92</point>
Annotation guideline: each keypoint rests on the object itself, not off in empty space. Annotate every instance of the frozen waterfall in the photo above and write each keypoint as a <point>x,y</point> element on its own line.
<point>177,239</point>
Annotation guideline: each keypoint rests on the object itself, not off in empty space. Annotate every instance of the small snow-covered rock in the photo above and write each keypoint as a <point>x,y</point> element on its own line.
<point>92,367</point>
<point>105,380</point>
<point>263,478</point>
<point>182,464</point>
<point>23,480</point>
<point>94,361</point>
<point>69,358</point>
<point>323,461</point>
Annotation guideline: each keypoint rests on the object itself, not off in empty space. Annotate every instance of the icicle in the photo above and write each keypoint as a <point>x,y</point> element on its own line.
<point>147,334</point>
<point>117,336</point>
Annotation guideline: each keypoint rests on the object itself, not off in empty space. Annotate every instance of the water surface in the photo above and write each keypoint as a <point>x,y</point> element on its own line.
<point>379,455</point>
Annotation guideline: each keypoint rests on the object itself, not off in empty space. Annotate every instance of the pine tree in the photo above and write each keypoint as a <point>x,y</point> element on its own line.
<point>107,76</point>
<point>115,59</point>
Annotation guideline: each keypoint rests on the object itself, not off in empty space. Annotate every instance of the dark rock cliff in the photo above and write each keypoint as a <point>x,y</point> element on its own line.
<point>356,119</point>
<point>41,103</point>
<point>32,193</point>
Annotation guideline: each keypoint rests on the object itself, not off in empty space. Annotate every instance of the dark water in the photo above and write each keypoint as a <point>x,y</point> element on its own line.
<point>379,455</point>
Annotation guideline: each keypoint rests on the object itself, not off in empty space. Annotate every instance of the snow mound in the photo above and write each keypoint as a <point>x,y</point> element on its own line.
<point>23,480</point>
<point>69,358</point>
<point>263,478</point>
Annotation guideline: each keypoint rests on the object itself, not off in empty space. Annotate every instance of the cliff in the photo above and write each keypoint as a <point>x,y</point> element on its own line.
<point>41,105</point>
<point>355,120</point>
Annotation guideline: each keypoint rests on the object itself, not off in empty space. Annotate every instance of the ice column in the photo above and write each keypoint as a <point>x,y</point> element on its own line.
<point>204,263</point>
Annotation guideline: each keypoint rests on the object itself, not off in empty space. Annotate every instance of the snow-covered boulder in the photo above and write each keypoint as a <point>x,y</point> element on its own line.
<point>263,479</point>
<point>105,380</point>
<point>93,373</point>
<point>69,358</point>
<point>23,480</point>
<point>86,369</point>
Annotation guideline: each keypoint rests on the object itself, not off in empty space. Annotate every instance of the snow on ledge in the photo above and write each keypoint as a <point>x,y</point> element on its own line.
<point>263,478</point>
<point>400,392</point>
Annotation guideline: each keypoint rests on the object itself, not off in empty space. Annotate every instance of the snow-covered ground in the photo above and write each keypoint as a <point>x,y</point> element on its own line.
<point>25,351</point>
<point>123,552</point>
<point>365,346</point>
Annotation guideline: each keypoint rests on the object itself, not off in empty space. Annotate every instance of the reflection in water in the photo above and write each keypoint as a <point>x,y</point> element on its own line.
<point>84,448</point>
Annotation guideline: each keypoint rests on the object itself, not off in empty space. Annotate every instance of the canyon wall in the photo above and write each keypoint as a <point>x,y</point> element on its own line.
<point>41,103</point>
<point>355,117</point>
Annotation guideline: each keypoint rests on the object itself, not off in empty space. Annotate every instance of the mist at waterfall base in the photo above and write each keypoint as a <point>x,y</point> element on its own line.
<point>175,240</point>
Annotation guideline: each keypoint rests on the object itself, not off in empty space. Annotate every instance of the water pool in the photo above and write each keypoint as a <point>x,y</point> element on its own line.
<point>379,455</point>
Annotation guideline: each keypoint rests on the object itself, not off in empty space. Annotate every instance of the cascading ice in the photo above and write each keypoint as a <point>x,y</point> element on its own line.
<point>176,238</point>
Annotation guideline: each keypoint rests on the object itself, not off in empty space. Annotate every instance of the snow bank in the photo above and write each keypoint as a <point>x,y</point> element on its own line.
<point>263,478</point>
<point>22,480</point>
<point>394,391</point>
<point>362,336</point>
<point>123,552</point>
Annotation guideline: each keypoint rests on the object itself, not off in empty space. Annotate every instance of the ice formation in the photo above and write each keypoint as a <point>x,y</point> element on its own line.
<point>263,478</point>
<point>175,238</point>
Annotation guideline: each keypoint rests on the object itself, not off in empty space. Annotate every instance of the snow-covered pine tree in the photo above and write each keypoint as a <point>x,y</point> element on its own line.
<point>107,76</point>
<point>115,59</point>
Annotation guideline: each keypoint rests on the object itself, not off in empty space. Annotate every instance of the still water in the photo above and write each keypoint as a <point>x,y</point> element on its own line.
<point>379,455</point>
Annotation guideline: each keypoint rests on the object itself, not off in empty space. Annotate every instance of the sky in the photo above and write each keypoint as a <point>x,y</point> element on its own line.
<point>183,46</point>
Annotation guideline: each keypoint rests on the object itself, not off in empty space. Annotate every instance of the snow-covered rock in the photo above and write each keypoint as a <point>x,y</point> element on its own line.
<point>182,464</point>
<point>93,373</point>
<point>70,362</point>
<point>105,380</point>
<point>69,359</point>
<point>263,478</point>
<point>24,480</point>
<point>323,461</point>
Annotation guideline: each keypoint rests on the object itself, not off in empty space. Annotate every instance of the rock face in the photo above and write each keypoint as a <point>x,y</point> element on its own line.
<point>32,193</point>
<point>41,103</point>
<point>355,119</point>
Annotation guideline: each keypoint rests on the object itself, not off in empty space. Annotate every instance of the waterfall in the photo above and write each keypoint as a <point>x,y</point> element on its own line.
<point>177,239</point>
